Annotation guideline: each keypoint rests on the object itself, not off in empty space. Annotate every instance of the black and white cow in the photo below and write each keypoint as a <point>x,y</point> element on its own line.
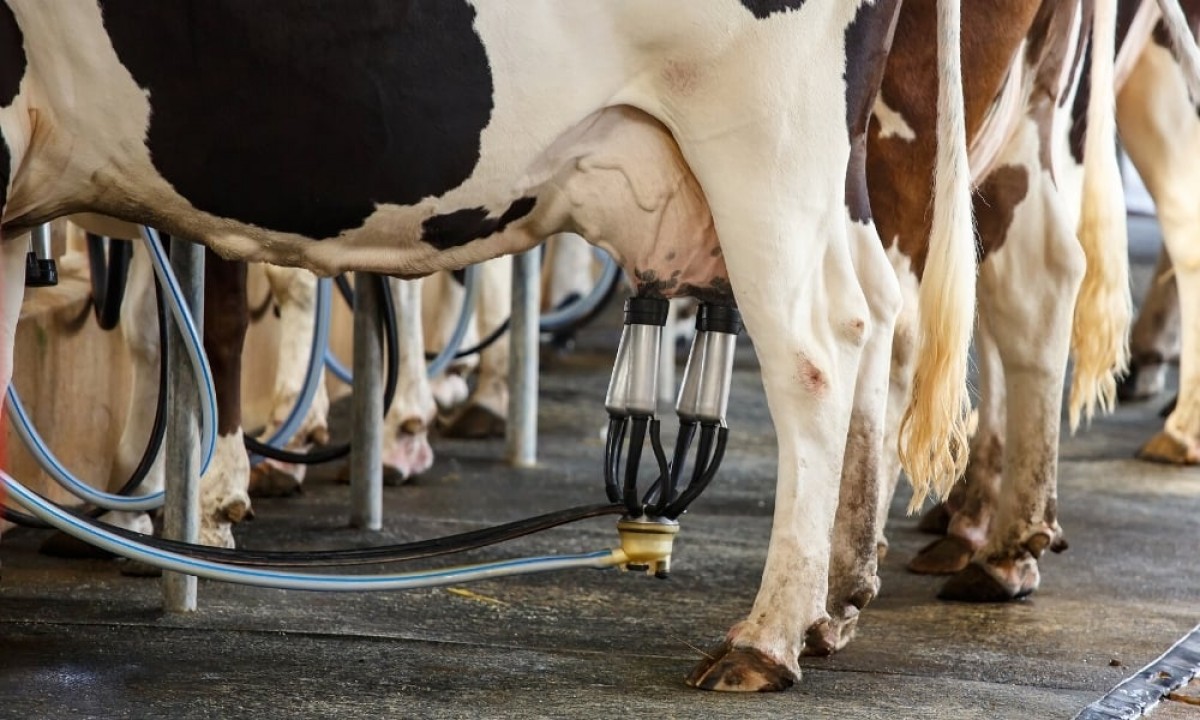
<point>714,147</point>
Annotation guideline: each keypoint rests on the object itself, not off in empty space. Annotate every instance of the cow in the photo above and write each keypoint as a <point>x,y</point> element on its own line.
<point>223,490</point>
<point>292,298</point>
<point>1160,129</point>
<point>230,482</point>
<point>1003,517</point>
<point>714,149</point>
<point>1021,65</point>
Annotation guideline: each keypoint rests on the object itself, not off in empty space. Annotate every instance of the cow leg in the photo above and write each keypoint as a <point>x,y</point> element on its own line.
<point>807,332</point>
<point>900,379</point>
<point>441,299</point>
<point>224,499</point>
<point>1022,215</point>
<point>486,412</point>
<point>808,318</point>
<point>406,449</point>
<point>294,292</point>
<point>1154,341</point>
<point>139,328</point>
<point>566,276</point>
<point>568,269</point>
<point>1162,135</point>
<point>970,507</point>
<point>853,572</point>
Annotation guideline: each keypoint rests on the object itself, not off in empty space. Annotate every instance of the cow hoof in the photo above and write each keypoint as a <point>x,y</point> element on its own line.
<point>449,390</point>
<point>268,481</point>
<point>236,511</point>
<point>944,556</point>
<point>730,669</point>
<point>1162,448</point>
<point>394,477</point>
<point>62,545</point>
<point>935,521</point>
<point>976,584</point>
<point>475,422</point>
<point>216,534</point>
<point>139,569</point>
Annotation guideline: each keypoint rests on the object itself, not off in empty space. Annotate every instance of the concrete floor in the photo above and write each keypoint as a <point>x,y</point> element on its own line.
<point>80,640</point>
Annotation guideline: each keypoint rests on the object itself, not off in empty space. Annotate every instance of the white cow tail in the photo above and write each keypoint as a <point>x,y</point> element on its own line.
<point>933,434</point>
<point>1103,310</point>
<point>1184,45</point>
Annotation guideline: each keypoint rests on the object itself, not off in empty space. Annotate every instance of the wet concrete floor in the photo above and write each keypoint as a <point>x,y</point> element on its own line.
<point>79,640</point>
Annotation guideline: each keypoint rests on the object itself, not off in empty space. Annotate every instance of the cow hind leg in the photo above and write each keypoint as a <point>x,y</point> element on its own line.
<point>900,379</point>
<point>294,292</point>
<point>807,332</point>
<point>854,563</point>
<point>140,330</point>
<point>1161,131</point>
<point>224,496</point>
<point>1154,341</point>
<point>406,449</point>
<point>486,412</point>
<point>1019,305</point>
<point>968,510</point>
<point>441,301</point>
<point>808,318</point>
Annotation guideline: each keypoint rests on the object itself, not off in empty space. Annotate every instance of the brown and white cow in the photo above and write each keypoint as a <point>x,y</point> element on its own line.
<point>1021,65</point>
<point>1005,514</point>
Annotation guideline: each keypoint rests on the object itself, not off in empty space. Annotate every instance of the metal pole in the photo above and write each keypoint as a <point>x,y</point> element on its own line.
<point>40,241</point>
<point>181,511</point>
<point>666,358</point>
<point>521,430</point>
<point>366,448</point>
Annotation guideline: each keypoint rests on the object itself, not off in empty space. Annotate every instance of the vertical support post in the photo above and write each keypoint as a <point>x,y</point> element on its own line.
<point>181,510</point>
<point>521,431</point>
<point>366,447</point>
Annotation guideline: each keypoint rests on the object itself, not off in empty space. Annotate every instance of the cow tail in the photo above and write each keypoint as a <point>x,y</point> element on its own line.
<point>933,435</point>
<point>1104,308</point>
<point>1183,44</point>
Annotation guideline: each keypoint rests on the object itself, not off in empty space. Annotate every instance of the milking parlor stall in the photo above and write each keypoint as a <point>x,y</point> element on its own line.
<point>736,358</point>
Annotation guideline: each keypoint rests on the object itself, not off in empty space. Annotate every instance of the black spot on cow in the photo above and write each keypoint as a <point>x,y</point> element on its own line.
<point>868,42</point>
<point>12,56</point>
<point>763,9</point>
<point>302,115</point>
<point>649,284</point>
<point>463,226</point>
